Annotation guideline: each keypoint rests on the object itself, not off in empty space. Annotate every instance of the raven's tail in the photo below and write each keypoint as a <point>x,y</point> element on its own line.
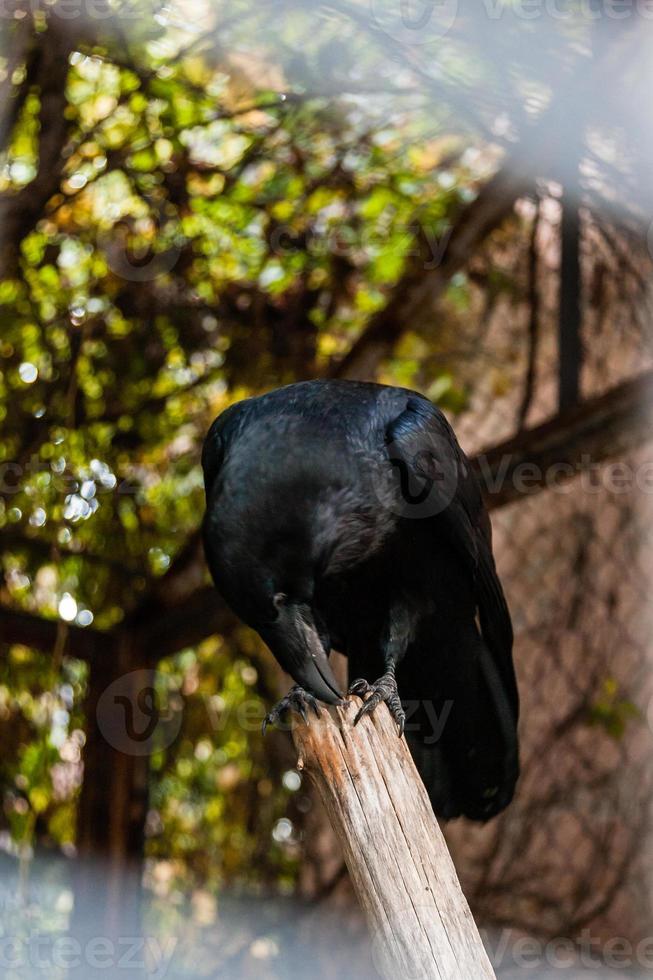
<point>464,737</point>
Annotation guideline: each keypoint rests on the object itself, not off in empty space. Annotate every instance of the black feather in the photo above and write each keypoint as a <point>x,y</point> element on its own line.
<point>356,502</point>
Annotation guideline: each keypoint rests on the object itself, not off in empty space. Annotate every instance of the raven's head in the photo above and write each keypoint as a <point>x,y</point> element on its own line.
<point>300,643</point>
<point>266,545</point>
<point>271,589</point>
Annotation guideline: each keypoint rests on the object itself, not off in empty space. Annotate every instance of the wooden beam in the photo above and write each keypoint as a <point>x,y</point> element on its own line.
<point>401,870</point>
<point>163,630</point>
<point>570,351</point>
<point>42,634</point>
<point>42,549</point>
<point>573,442</point>
<point>159,629</point>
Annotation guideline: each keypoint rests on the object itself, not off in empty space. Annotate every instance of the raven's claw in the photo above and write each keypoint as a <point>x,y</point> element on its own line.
<point>296,699</point>
<point>384,689</point>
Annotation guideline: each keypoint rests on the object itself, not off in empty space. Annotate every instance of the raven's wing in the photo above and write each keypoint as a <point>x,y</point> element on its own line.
<point>212,458</point>
<point>212,455</point>
<point>437,479</point>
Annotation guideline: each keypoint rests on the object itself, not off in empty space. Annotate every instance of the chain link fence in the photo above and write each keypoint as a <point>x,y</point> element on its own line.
<point>572,851</point>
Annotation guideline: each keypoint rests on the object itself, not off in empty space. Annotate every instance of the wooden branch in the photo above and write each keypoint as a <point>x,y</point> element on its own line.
<point>41,634</point>
<point>599,429</point>
<point>45,550</point>
<point>399,864</point>
<point>164,630</point>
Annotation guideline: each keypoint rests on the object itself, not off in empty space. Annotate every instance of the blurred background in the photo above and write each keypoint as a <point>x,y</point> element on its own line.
<point>203,200</point>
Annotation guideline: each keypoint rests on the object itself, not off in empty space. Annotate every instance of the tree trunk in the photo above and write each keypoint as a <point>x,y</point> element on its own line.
<point>569,316</point>
<point>400,867</point>
<point>113,801</point>
<point>47,55</point>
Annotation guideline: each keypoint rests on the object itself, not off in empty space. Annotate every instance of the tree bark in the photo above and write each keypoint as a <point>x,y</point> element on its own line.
<point>113,802</point>
<point>114,798</point>
<point>402,873</point>
<point>48,72</point>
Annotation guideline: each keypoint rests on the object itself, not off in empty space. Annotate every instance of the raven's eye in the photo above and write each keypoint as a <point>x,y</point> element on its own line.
<point>280,599</point>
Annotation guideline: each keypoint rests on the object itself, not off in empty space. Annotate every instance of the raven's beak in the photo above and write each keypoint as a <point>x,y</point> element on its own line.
<point>295,642</point>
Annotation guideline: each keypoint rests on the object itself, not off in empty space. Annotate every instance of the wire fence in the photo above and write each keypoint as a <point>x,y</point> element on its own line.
<point>570,853</point>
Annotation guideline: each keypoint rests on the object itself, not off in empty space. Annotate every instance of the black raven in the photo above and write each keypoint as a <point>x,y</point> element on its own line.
<point>344,515</point>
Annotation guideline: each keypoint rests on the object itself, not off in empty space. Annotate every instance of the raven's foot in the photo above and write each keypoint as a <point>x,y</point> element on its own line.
<point>385,689</point>
<point>297,699</point>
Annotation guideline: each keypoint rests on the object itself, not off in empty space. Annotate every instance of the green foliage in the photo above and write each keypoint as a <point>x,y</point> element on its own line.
<point>41,729</point>
<point>611,711</point>
<point>130,321</point>
<point>216,783</point>
<point>221,224</point>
